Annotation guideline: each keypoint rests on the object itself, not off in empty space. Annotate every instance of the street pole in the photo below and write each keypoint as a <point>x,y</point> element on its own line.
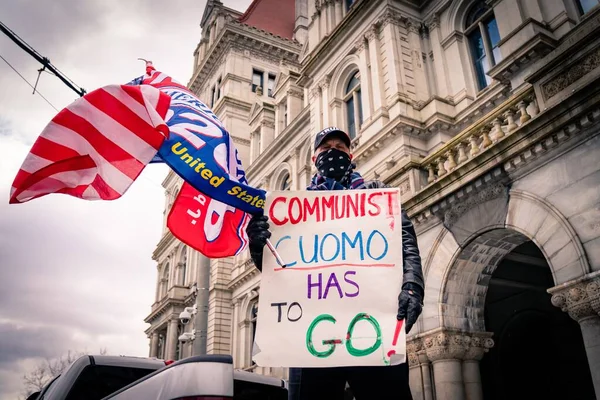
<point>202,297</point>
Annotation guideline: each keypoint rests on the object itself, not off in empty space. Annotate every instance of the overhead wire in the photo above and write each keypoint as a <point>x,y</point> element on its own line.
<point>26,81</point>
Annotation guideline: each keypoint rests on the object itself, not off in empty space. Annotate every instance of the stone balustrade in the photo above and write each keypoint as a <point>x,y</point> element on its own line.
<point>483,135</point>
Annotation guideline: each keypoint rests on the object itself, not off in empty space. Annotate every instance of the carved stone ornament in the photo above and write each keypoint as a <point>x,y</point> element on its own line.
<point>371,34</point>
<point>413,347</point>
<point>389,17</point>
<point>413,25</point>
<point>404,186</point>
<point>360,45</point>
<point>572,74</point>
<point>581,300</point>
<point>461,207</point>
<point>324,84</point>
<point>295,93</point>
<point>433,22</point>
<point>447,345</point>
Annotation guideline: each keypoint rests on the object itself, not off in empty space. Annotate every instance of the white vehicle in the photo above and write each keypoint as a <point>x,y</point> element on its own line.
<point>210,377</point>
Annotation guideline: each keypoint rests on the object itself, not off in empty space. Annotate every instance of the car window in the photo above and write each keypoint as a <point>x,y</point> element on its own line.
<point>48,386</point>
<point>98,381</point>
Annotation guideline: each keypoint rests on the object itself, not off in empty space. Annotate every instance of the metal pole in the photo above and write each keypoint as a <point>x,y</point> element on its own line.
<point>201,319</point>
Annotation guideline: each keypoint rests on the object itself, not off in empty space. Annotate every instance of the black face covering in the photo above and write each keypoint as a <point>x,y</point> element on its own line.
<point>333,163</point>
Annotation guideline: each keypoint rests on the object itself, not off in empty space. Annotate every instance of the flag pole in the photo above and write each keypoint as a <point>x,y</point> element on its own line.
<point>275,254</point>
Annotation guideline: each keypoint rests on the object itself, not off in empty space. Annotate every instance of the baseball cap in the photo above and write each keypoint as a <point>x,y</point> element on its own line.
<point>327,132</point>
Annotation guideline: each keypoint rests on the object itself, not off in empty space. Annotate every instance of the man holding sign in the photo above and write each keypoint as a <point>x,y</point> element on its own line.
<point>330,313</point>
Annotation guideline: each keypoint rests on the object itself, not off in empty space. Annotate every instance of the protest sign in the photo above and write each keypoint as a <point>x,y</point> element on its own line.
<point>335,301</point>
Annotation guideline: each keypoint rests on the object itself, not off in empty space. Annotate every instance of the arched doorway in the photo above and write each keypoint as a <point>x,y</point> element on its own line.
<point>538,351</point>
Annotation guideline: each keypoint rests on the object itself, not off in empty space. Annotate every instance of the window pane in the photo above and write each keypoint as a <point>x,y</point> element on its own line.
<point>494,36</point>
<point>257,79</point>
<point>271,85</point>
<point>587,5</point>
<point>349,4</point>
<point>476,42</point>
<point>354,81</point>
<point>476,12</point>
<point>286,182</point>
<point>492,29</point>
<point>479,59</point>
<point>350,113</point>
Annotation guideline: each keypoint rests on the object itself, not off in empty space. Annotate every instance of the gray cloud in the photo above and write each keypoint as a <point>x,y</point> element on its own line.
<point>75,274</point>
<point>18,342</point>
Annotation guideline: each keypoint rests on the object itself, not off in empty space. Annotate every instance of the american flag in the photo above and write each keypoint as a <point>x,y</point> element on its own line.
<point>96,147</point>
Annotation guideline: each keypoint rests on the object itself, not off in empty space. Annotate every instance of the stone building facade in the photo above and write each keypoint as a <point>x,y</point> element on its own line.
<point>485,113</point>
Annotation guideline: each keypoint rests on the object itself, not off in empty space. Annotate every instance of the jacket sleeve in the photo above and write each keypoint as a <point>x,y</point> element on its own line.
<point>411,257</point>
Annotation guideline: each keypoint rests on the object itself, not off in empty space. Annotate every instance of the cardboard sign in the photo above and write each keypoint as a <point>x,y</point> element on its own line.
<point>335,302</point>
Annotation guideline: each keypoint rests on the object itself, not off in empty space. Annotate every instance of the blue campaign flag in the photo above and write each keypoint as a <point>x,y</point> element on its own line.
<point>199,148</point>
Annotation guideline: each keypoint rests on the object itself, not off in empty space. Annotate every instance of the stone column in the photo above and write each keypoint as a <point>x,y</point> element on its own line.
<point>375,76</point>
<point>445,350</point>
<point>455,357</point>
<point>315,96</point>
<point>367,103</point>
<point>415,375</point>
<point>392,48</point>
<point>171,345</point>
<point>338,11</point>
<point>323,20</point>
<point>419,370</point>
<point>426,374</point>
<point>154,344</point>
<point>324,85</point>
<point>439,63</point>
<point>477,345</point>
<point>581,300</point>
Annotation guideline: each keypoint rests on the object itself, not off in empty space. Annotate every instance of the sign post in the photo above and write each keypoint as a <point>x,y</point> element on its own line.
<point>335,301</point>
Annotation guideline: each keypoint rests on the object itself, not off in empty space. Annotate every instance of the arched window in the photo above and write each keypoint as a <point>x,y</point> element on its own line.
<point>286,181</point>
<point>482,33</point>
<point>253,317</point>
<point>165,282</point>
<point>352,98</point>
<point>183,267</point>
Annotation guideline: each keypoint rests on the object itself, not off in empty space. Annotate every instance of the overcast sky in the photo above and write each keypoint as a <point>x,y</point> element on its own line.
<point>75,274</point>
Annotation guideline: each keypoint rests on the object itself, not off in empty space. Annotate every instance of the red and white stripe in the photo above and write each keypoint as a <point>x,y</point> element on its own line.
<point>96,147</point>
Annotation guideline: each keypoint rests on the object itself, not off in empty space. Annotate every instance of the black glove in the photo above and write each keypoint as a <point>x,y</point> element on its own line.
<point>258,233</point>
<point>410,304</point>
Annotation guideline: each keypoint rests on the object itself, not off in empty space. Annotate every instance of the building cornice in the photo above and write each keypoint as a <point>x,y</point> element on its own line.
<point>165,242</point>
<point>235,35</point>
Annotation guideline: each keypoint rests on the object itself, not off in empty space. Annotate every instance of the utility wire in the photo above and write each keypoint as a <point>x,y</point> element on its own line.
<point>43,60</point>
<point>26,81</point>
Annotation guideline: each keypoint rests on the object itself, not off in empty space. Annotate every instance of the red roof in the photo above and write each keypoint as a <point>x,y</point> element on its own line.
<point>274,16</point>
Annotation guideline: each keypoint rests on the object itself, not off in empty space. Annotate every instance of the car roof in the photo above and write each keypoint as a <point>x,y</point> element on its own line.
<point>127,361</point>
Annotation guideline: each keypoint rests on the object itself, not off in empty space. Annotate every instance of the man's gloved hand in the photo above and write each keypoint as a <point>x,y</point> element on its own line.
<point>258,233</point>
<point>410,304</point>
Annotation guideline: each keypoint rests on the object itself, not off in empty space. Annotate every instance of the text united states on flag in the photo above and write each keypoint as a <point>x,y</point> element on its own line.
<point>210,211</point>
<point>96,147</point>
